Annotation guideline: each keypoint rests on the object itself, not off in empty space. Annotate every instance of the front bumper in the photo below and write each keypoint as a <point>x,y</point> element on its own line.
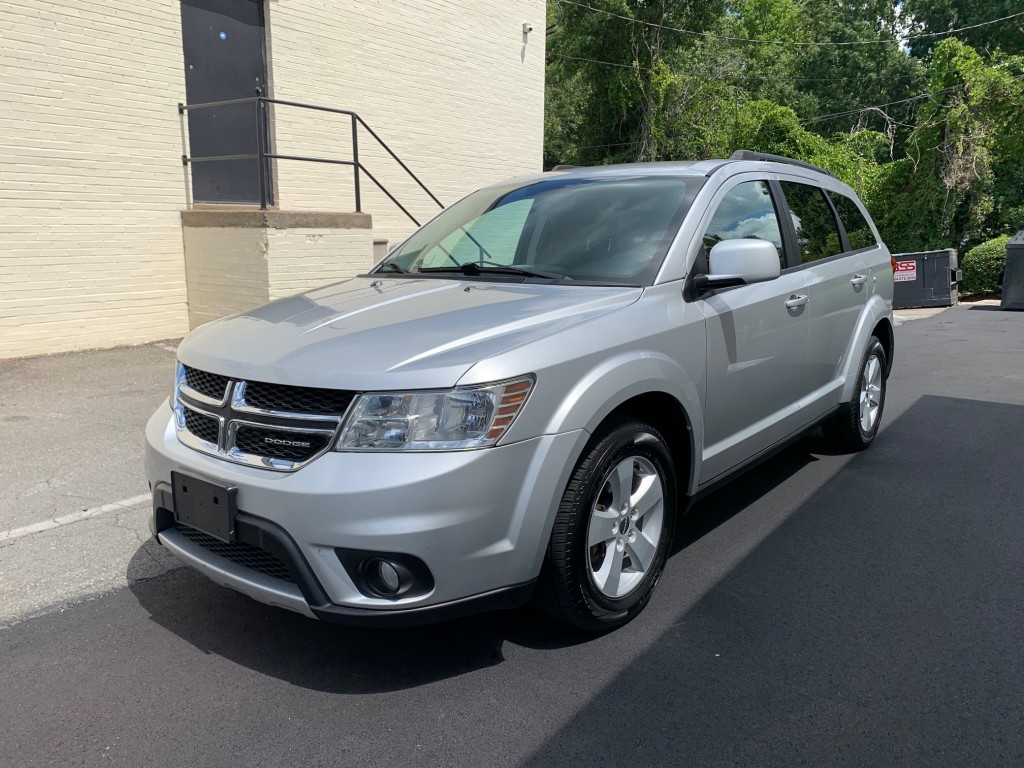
<point>479,520</point>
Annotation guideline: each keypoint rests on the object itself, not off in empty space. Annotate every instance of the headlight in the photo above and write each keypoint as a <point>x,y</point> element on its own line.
<point>179,376</point>
<point>449,420</point>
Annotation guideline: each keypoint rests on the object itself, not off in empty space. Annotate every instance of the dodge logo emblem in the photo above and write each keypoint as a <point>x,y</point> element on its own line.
<point>289,443</point>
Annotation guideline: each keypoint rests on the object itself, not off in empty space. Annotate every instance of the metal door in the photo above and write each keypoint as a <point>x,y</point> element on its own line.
<point>224,59</point>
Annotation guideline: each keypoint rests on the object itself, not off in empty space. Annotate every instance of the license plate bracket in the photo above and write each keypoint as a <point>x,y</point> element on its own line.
<point>208,507</point>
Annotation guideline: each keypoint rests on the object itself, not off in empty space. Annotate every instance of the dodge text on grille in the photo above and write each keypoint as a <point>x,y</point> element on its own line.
<point>292,443</point>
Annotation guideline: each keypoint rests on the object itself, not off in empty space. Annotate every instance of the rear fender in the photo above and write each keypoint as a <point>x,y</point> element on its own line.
<point>874,312</point>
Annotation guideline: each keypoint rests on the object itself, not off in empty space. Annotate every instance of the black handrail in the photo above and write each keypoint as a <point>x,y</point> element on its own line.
<point>262,155</point>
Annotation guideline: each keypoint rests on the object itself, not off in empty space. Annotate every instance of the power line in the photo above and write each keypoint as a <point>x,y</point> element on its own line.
<point>611,146</point>
<point>605,63</point>
<point>602,146</point>
<point>821,79</point>
<point>731,39</point>
<point>888,104</point>
<point>743,77</point>
<point>919,97</point>
<point>737,77</point>
<point>964,29</point>
<point>877,106</point>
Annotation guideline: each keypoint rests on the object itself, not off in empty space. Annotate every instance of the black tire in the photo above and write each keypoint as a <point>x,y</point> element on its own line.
<point>567,589</point>
<point>845,431</point>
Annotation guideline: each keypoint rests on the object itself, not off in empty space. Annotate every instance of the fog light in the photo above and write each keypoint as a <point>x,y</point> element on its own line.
<point>388,580</point>
<point>388,575</point>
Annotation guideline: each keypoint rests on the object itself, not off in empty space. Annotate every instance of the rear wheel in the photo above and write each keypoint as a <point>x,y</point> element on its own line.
<point>854,427</point>
<point>613,529</point>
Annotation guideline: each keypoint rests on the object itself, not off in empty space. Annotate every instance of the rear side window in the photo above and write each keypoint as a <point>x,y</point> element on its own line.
<point>746,210</point>
<point>817,234</point>
<point>857,230</point>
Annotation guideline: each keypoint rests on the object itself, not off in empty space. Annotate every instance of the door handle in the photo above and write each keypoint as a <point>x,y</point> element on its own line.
<point>858,280</point>
<point>796,300</point>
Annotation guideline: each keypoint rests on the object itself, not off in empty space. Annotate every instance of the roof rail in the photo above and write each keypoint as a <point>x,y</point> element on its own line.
<point>563,167</point>
<point>746,154</point>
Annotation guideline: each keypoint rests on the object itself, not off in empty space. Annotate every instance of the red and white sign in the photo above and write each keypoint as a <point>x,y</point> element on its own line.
<point>906,272</point>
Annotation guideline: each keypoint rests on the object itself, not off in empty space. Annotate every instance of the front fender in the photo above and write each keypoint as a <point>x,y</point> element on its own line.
<point>655,345</point>
<point>606,386</point>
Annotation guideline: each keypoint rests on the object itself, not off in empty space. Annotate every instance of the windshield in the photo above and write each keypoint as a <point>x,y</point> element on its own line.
<point>567,229</point>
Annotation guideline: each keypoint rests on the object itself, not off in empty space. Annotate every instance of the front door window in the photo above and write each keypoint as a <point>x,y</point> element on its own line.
<point>746,211</point>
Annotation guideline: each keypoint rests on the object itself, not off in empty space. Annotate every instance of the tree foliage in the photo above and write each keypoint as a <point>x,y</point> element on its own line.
<point>937,16</point>
<point>928,136</point>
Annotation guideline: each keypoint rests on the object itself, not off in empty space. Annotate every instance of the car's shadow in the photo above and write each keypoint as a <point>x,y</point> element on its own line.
<point>338,659</point>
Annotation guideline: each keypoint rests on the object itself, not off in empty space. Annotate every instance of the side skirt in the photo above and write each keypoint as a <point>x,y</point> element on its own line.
<point>713,485</point>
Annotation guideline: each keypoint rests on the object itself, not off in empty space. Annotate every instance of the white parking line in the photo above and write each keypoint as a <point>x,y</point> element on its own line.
<point>74,517</point>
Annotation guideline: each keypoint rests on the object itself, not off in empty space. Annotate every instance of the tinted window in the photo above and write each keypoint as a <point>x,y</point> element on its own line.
<point>597,229</point>
<point>857,230</point>
<point>614,229</point>
<point>496,234</point>
<point>746,211</point>
<point>817,234</point>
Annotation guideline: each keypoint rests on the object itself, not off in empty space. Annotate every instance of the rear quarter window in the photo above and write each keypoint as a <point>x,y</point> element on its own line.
<point>857,230</point>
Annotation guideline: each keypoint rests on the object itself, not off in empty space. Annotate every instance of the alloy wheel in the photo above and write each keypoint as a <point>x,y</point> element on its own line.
<point>625,526</point>
<point>870,393</point>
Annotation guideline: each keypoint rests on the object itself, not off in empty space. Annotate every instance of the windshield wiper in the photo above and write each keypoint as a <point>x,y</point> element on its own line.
<point>390,266</point>
<point>474,269</point>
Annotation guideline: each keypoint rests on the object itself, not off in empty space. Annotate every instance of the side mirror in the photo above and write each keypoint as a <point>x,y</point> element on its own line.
<point>739,262</point>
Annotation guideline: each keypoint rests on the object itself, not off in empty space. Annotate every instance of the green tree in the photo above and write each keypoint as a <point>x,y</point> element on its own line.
<point>944,166</point>
<point>765,71</point>
<point>937,16</point>
<point>844,80</point>
<point>610,77</point>
<point>973,109</point>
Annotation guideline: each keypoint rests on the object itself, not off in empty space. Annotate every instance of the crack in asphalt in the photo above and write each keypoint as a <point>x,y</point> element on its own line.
<point>127,560</point>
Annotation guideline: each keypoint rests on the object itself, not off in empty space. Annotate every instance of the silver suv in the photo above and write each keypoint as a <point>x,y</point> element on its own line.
<point>524,395</point>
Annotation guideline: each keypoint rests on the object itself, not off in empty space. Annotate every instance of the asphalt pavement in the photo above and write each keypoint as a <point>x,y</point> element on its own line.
<point>75,503</point>
<point>825,610</point>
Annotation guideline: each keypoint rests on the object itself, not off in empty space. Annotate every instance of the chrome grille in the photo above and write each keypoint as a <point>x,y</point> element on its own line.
<point>241,554</point>
<point>272,426</point>
<point>277,397</point>
<point>210,384</point>
<point>202,426</point>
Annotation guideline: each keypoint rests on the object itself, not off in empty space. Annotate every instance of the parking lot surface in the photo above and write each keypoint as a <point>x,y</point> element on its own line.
<point>825,610</point>
<point>73,513</point>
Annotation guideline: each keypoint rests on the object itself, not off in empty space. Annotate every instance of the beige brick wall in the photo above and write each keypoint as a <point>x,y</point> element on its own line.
<point>233,269</point>
<point>91,243</point>
<point>302,259</point>
<point>226,269</point>
<point>90,179</point>
<point>448,84</point>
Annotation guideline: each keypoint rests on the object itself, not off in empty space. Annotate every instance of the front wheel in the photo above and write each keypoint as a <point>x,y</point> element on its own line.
<point>854,427</point>
<point>613,529</point>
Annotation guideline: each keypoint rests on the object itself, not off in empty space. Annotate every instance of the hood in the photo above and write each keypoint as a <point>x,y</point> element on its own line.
<point>392,333</point>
